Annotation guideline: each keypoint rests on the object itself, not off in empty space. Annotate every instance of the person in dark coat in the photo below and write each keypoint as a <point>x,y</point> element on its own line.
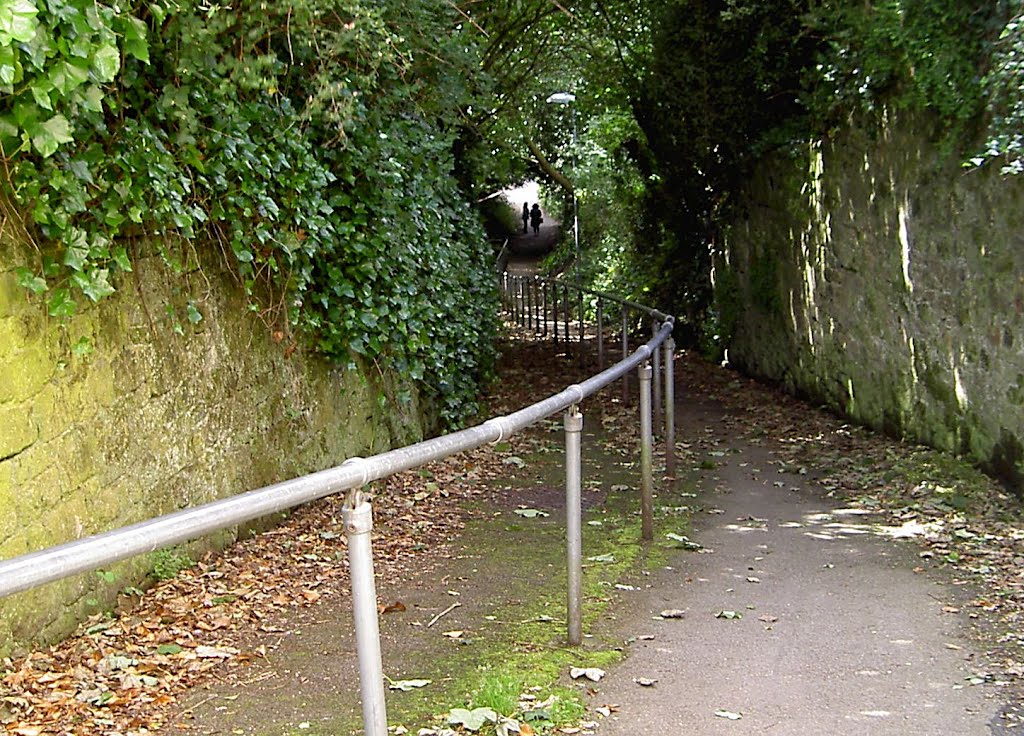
<point>536,218</point>
<point>526,216</point>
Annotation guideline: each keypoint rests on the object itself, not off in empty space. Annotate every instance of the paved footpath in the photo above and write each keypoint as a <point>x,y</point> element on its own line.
<point>838,634</point>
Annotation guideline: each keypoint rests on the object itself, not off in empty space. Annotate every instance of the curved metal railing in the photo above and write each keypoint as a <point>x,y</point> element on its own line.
<point>101,550</point>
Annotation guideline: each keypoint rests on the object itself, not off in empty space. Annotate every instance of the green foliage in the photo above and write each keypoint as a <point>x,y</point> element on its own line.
<point>914,54</point>
<point>167,563</point>
<point>715,84</point>
<point>312,143</point>
<point>1004,86</point>
<point>499,691</point>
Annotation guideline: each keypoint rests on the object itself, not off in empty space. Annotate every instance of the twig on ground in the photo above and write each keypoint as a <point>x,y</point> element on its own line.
<point>445,612</point>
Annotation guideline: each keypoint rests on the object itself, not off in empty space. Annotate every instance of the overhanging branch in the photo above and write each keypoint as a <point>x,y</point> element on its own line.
<point>546,166</point>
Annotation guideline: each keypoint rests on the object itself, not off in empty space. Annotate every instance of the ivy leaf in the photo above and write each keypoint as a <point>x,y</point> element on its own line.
<point>80,169</point>
<point>17,21</point>
<point>28,280</point>
<point>77,250</point>
<point>121,259</point>
<point>8,66</point>
<point>194,315</point>
<point>66,77</point>
<point>41,89</point>
<point>94,284</point>
<point>48,136</point>
<point>82,348</point>
<point>135,43</point>
<point>61,304</point>
<point>91,98</point>
<point>106,62</point>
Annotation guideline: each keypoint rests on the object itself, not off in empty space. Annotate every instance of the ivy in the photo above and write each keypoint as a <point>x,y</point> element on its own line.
<point>1004,86</point>
<point>307,142</point>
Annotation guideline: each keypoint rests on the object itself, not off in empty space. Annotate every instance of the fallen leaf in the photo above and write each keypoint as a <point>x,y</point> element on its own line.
<point>673,613</point>
<point>472,720</point>
<point>594,674</point>
<point>729,615</point>
<point>531,513</point>
<point>644,681</point>
<point>453,634</point>
<point>684,541</point>
<point>407,685</point>
<point>206,652</point>
<point>728,714</point>
<point>396,607</point>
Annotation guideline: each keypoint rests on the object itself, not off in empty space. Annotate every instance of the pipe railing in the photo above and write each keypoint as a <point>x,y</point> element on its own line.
<point>101,550</point>
<point>531,312</point>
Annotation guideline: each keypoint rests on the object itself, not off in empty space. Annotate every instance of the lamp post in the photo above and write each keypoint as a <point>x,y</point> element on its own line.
<point>567,98</point>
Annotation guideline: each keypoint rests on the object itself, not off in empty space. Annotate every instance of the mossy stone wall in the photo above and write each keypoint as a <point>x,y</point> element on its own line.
<point>161,414</point>
<point>878,276</point>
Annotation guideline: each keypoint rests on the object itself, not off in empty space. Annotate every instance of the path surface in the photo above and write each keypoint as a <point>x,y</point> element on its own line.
<point>836,627</point>
<point>838,633</point>
<point>526,250</point>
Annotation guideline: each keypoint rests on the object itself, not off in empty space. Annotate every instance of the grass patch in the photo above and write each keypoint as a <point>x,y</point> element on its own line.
<point>522,651</point>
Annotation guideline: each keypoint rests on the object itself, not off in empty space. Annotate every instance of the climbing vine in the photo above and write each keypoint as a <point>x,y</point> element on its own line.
<point>1004,85</point>
<point>310,142</point>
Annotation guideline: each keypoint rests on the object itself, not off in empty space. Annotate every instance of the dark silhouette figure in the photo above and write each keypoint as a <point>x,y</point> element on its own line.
<point>526,217</point>
<point>536,219</point>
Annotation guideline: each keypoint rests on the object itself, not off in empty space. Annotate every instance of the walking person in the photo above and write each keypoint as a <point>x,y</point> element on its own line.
<point>536,218</point>
<point>526,216</point>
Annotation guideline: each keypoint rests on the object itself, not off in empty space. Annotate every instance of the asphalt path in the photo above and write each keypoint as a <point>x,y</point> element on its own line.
<point>800,618</point>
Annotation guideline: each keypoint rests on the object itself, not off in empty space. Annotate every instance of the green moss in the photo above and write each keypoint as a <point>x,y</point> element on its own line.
<point>1015,393</point>
<point>764,283</point>
<point>17,431</point>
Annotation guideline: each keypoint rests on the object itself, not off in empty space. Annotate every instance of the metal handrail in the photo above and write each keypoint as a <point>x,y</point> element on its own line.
<point>54,563</point>
<point>656,314</point>
<point>100,550</point>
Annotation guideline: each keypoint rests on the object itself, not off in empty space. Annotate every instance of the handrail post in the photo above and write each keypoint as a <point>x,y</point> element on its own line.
<point>515,299</point>
<point>646,473</point>
<point>670,407</point>
<point>568,317</point>
<point>554,309</point>
<point>579,304</point>
<point>625,352</point>
<point>544,308</point>
<point>656,367</point>
<point>574,524</point>
<point>600,334</point>
<point>357,516</point>
<point>529,303</point>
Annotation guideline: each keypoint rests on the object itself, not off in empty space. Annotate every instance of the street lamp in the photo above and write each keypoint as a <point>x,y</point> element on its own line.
<point>567,98</point>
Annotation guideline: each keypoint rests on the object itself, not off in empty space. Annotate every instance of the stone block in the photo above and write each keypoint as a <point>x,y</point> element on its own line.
<point>12,297</point>
<point>17,430</point>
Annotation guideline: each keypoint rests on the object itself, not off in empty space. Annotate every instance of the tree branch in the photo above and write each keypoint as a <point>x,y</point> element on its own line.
<point>546,166</point>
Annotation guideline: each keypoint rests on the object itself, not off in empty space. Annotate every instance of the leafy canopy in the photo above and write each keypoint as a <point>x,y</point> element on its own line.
<point>312,143</point>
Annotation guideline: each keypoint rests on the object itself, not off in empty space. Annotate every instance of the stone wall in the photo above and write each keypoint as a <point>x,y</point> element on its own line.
<point>874,274</point>
<point>160,414</point>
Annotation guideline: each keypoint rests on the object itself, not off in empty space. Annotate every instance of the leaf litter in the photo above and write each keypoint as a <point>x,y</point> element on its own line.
<point>128,672</point>
<point>237,603</point>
